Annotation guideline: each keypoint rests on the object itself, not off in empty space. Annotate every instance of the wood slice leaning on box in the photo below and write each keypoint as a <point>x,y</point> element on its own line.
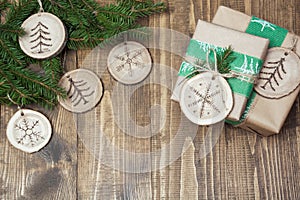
<point>269,106</point>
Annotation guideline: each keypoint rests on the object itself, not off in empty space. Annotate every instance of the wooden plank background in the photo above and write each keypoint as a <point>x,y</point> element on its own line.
<point>241,165</point>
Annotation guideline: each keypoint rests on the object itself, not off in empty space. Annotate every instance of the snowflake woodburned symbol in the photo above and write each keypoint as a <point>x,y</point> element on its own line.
<point>40,39</point>
<point>205,99</point>
<point>79,91</point>
<point>29,132</point>
<point>271,72</point>
<point>130,58</point>
<point>264,24</point>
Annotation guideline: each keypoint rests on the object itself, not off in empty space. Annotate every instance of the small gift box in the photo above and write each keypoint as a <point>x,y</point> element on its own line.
<point>278,82</point>
<point>249,51</point>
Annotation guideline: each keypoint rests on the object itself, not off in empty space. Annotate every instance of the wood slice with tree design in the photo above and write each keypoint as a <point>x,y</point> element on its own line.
<point>280,73</point>
<point>45,36</point>
<point>84,90</point>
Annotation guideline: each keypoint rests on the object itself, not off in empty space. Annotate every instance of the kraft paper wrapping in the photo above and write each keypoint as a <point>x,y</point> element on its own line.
<point>240,42</point>
<point>266,116</point>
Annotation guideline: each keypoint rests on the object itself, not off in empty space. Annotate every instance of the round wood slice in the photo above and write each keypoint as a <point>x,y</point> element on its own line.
<point>280,74</point>
<point>84,90</point>
<point>205,99</point>
<point>45,36</point>
<point>129,62</point>
<point>28,130</point>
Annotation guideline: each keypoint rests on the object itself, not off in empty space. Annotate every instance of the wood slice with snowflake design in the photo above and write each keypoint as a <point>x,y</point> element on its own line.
<point>129,62</point>
<point>45,36</point>
<point>280,74</point>
<point>28,130</point>
<point>206,99</point>
<point>84,90</point>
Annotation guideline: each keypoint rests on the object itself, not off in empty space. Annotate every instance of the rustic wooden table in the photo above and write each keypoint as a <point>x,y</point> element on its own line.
<point>75,164</point>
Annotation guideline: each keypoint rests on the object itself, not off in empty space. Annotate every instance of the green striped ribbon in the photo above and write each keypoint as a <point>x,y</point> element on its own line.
<point>276,35</point>
<point>267,30</point>
<point>242,64</point>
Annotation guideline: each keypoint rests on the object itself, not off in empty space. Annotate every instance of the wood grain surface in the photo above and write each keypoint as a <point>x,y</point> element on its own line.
<point>76,163</point>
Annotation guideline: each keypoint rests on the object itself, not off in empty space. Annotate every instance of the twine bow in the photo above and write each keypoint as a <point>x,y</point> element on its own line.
<point>214,69</point>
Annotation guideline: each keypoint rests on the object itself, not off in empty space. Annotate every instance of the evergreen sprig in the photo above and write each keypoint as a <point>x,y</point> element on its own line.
<point>224,58</point>
<point>88,24</point>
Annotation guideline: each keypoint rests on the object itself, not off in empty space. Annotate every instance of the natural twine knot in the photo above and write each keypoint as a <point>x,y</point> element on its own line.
<point>214,69</point>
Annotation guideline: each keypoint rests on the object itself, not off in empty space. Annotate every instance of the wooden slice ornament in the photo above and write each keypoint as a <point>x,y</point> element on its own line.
<point>206,99</point>
<point>45,36</point>
<point>280,74</point>
<point>84,90</point>
<point>28,130</point>
<point>129,62</point>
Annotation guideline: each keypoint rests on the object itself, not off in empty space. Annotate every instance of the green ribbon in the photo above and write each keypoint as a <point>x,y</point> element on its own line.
<point>264,29</point>
<point>242,64</point>
<point>276,35</point>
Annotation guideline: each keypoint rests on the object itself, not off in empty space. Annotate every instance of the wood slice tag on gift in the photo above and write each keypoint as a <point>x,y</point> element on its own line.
<point>28,130</point>
<point>129,62</point>
<point>206,99</point>
<point>84,90</point>
<point>45,36</point>
<point>280,74</point>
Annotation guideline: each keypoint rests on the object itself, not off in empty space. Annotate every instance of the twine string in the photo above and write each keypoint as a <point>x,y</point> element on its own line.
<point>18,106</point>
<point>41,6</point>
<point>214,69</point>
<point>294,43</point>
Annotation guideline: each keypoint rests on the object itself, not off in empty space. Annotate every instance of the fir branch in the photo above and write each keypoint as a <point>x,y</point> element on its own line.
<point>9,31</point>
<point>9,53</point>
<point>147,9</point>
<point>53,69</point>
<point>21,10</point>
<point>75,43</point>
<point>3,5</point>
<point>47,103</point>
<point>15,87</point>
<point>31,81</point>
<point>224,58</point>
<point>116,13</point>
<point>90,4</point>
<point>2,83</point>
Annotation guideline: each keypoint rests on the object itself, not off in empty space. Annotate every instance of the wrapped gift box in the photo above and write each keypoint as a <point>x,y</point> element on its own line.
<point>266,115</point>
<point>251,50</point>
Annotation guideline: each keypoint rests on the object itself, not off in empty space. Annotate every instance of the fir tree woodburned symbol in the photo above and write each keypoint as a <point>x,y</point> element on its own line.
<point>78,91</point>
<point>272,73</point>
<point>205,99</point>
<point>40,38</point>
<point>29,132</point>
